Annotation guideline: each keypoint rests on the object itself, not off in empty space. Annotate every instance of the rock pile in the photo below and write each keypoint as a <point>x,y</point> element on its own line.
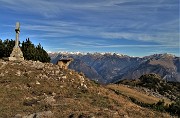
<point>45,114</point>
<point>44,71</point>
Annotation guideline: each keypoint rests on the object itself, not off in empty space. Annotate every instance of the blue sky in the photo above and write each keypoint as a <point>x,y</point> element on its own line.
<point>131,27</point>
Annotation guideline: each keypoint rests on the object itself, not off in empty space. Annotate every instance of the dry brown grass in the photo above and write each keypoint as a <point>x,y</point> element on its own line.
<point>21,95</point>
<point>141,97</point>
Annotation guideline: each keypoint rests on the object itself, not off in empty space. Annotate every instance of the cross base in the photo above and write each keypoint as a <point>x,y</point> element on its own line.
<point>16,54</point>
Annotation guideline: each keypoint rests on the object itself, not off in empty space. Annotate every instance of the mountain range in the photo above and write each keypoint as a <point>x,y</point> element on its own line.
<point>112,67</point>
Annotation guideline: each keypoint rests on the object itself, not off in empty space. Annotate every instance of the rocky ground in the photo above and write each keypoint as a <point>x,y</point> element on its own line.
<point>31,89</point>
<point>154,85</point>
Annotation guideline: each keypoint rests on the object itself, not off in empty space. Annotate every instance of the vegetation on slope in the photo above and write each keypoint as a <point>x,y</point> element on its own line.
<point>30,87</point>
<point>157,85</point>
<point>136,94</point>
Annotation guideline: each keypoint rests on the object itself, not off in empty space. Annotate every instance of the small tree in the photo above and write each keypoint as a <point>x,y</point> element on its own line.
<point>30,51</point>
<point>1,49</point>
<point>8,47</point>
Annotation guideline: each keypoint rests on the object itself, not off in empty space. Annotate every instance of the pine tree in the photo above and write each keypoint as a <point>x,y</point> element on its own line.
<point>8,47</point>
<point>43,54</point>
<point>30,51</point>
<point>1,49</point>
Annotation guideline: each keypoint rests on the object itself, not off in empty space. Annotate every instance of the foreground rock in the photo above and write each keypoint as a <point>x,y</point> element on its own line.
<point>45,114</point>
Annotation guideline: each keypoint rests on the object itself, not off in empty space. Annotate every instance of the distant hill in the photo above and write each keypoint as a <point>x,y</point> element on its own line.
<point>156,84</point>
<point>110,68</point>
<point>31,89</point>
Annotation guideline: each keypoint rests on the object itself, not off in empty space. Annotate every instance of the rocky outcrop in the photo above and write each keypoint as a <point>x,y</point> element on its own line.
<point>154,85</point>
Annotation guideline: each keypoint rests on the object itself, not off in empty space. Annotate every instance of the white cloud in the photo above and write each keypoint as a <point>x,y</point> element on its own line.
<point>100,44</point>
<point>160,38</point>
<point>54,7</point>
<point>153,21</point>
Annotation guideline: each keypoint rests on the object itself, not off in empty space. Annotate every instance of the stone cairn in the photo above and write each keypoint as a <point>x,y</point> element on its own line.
<point>16,53</point>
<point>64,62</point>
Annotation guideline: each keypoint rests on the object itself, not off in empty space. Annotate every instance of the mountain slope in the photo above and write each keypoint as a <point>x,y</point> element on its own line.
<point>110,68</point>
<point>35,89</point>
<point>81,66</point>
<point>167,66</point>
<point>156,84</point>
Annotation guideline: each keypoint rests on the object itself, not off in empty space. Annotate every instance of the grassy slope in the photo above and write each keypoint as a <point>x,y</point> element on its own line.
<point>20,93</point>
<point>124,90</point>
